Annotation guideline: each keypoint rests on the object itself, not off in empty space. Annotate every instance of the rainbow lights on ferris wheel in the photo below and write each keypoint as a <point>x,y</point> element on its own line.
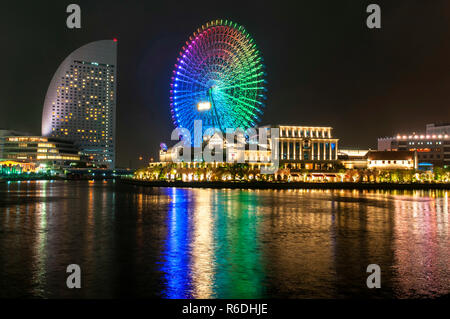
<point>219,79</point>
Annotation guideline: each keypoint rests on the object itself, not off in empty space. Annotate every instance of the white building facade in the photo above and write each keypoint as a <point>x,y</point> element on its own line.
<point>307,147</point>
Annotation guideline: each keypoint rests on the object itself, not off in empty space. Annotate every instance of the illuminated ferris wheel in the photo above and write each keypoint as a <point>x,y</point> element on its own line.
<point>219,79</point>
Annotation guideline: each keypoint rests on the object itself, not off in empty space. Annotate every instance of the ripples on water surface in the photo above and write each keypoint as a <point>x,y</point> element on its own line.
<point>203,243</point>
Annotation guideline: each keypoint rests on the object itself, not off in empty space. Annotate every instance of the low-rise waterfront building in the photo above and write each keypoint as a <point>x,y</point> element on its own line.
<point>300,149</point>
<point>254,158</point>
<point>432,149</point>
<point>4,133</point>
<point>353,158</point>
<point>389,160</point>
<point>40,150</point>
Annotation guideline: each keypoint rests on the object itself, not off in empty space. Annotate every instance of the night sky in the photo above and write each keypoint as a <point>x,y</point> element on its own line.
<point>324,66</point>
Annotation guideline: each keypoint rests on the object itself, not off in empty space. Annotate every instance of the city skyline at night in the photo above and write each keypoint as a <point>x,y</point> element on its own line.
<point>225,159</point>
<point>326,71</point>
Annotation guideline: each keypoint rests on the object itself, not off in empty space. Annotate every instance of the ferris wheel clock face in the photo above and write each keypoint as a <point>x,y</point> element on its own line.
<point>219,79</point>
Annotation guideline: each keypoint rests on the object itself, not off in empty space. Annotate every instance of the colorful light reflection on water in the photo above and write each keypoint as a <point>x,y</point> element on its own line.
<point>210,251</point>
<point>202,243</point>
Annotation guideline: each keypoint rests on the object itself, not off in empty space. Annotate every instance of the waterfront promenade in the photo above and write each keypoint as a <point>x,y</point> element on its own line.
<point>288,185</point>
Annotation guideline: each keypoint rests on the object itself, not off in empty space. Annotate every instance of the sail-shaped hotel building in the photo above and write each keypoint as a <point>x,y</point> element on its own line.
<point>80,104</point>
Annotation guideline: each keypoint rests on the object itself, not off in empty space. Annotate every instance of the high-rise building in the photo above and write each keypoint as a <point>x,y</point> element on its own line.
<point>40,150</point>
<point>80,104</point>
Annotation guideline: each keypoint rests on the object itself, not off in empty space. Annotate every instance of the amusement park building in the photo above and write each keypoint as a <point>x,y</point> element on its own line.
<point>299,147</point>
<point>80,104</point>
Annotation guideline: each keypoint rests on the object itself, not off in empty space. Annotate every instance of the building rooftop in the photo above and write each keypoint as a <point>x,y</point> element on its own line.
<point>390,155</point>
<point>438,124</point>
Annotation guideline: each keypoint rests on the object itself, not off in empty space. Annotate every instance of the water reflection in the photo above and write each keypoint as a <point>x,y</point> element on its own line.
<point>203,243</point>
<point>40,249</point>
<point>421,247</point>
<point>176,253</point>
<point>239,266</point>
<point>211,250</point>
<point>305,243</point>
<point>203,261</point>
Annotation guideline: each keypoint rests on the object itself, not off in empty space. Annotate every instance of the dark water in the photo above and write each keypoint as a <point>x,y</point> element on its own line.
<point>198,243</point>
